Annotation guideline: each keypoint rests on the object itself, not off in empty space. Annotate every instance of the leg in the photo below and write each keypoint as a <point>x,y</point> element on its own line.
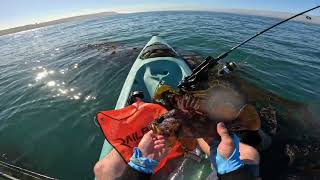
<point>203,145</point>
<point>249,154</point>
<point>251,158</point>
<point>110,167</point>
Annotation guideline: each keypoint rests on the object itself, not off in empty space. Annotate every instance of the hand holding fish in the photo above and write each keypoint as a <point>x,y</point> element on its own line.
<point>153,146</point>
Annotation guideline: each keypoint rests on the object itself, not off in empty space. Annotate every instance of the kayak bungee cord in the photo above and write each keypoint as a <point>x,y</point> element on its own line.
<point>188,81</point>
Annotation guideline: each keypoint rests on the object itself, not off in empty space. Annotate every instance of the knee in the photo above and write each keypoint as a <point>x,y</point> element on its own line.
<point>110,167</point>
<point>249,154</point>
<point>98,169</point>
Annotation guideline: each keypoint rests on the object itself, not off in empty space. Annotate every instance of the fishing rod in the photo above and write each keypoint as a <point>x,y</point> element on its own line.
<point>188,81</point>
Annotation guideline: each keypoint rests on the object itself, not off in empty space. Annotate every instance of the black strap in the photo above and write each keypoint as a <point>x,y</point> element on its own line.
<point>132,174</point>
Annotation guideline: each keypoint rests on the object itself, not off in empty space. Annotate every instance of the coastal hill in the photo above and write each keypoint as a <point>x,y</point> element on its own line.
<point>58,21</point>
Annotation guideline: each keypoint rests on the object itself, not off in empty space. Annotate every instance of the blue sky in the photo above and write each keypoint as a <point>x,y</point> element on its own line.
<point>21,12</point>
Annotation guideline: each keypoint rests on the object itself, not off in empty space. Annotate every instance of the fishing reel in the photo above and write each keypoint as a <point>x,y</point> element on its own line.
<point>226,68</point>
<point>201,73</point>
<point>133,95</point>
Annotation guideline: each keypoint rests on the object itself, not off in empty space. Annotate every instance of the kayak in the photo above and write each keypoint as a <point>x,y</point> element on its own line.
<point>157,63</point>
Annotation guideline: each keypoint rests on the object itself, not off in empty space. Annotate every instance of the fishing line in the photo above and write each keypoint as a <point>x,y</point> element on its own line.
<point>223,55</point>
<point>188,81</point>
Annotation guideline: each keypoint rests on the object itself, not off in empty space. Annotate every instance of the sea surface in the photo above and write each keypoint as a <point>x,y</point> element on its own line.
<point>54,79</point>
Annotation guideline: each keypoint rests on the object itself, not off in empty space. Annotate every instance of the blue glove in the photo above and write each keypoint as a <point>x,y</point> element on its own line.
<point>142,164</point>
<point>223,165</point>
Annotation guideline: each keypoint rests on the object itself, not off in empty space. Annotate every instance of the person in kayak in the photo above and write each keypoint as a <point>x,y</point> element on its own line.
<point>123,129</point>
<point>224,156</point>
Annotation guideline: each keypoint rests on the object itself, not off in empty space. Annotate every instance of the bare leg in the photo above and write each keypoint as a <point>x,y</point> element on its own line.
<point>110,167</point>
<point>204,146</point>
<point>248,154</point>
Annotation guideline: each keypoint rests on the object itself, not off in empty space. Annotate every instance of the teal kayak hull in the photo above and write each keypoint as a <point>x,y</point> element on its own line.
<point>146,74</point>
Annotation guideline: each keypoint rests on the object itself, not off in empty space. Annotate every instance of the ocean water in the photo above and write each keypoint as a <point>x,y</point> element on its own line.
<point>54,79</point>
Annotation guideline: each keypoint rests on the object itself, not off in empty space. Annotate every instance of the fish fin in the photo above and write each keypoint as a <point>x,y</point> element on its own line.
<point>248,119</point>
<point>188,144</point>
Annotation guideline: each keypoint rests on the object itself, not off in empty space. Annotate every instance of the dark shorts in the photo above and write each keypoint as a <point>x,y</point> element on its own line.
<point>254,169</point>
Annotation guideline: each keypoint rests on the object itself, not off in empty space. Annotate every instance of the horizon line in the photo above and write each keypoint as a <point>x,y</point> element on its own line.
<point>243,11</point>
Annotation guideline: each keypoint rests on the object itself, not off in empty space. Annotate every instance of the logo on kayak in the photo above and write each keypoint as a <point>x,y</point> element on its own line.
<point>133,138</point>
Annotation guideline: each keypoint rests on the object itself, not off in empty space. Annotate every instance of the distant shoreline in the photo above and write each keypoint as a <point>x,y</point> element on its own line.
<point>273,14</point>
<point>58,21</point>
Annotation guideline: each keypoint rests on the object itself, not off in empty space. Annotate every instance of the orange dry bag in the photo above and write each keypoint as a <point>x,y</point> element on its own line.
<point>124,128</point>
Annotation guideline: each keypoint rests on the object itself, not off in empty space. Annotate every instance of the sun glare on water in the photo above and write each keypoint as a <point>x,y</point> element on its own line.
<point>58,87</point>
